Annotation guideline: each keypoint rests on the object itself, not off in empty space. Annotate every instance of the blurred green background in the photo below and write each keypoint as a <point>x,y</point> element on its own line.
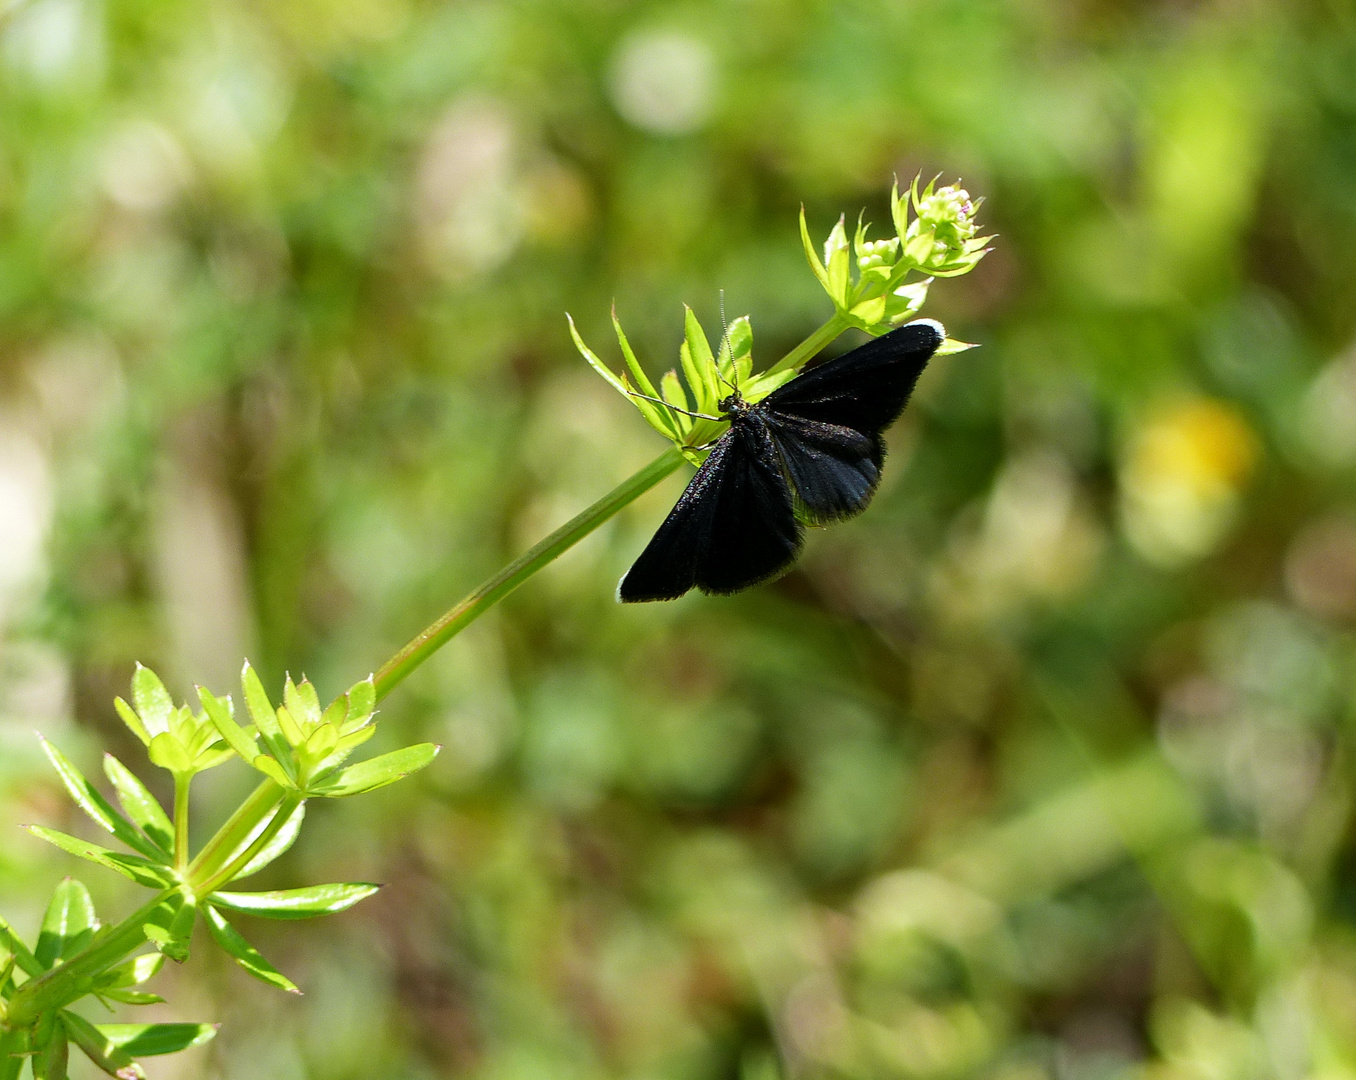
<point>1043,768</point>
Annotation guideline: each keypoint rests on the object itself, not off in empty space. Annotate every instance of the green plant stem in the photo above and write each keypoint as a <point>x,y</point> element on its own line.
<point>496,588</point>
<point>181,783</point>
<point>811,345</point>
<point>232,834</point>
<point>62,985</point>
<point>280,818</point>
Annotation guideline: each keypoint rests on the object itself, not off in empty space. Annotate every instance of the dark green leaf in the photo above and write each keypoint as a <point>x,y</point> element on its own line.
<point>89,800</point>
<point>151,1040</point>
<point>245,954</point>
<point>68,925</point>
<point>376,772</point>
<point>296,903</point>
<point>142,871</point>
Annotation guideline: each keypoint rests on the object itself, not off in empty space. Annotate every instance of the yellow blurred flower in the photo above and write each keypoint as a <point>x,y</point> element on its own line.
<point>1181,476</point>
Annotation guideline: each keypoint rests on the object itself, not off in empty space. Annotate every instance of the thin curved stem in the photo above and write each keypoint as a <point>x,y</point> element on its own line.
<point>452,622</point>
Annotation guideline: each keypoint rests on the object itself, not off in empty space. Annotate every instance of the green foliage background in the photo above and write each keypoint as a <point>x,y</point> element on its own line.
<point>1041,768</point>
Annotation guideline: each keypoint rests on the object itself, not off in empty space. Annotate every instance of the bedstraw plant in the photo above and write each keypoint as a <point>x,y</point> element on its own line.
<point>302,750</point>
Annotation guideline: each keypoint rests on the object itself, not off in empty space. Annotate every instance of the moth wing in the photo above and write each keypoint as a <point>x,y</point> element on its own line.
<point>833,469</point>
<point>754,535</point>
<point>667,567</point>
<point>865,389</point>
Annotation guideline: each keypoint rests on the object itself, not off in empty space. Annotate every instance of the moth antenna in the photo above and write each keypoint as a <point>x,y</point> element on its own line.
<point>685,412</point>
<point>724,342</point>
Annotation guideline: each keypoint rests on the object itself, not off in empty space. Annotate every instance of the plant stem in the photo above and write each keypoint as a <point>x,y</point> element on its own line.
<point>811,345</point>
<point>496,588</point>
<point>226,873</point>
<point>231,835</point>
<point>181,783</point>
<point>71,980</point>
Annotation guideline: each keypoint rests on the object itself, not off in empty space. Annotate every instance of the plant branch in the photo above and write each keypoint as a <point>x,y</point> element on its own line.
<point>515,573</point>
<point>71,980</point>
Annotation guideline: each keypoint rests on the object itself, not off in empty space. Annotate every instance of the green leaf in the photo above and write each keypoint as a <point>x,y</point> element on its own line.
<point>49,1063</point>
<point>89,800</point>
<point>811,256</point>
<point>305,903</point>
<point>100,1049</point>
<point>343,749</point>
<point>376,772</point>
<point>68,925</point>
<point>837,260</point>
<point>950,347</point>
<point>597,365</point>
<point>698,364</point>
<point>11,941</point>
<point>131,719</point>
<point>168,753</point>
<point>870,312</point>
<point>291,730</point>
<point>275,772</point>
<point>170,927</point>
<point>671,389</point>
<point>283,839</point>
<point>142,871</point>
<point>737,350</point>
<point>245,954</point>
<point>302,702</point>
<point>132,972</point>
<point>362,702</point>
<point>152,1040</point>
<point>262,713</point>
<point>219,712</point>
<point>131,997</point>
<point>152,700</point>
<point>663,419</point>
<point>142,807</point>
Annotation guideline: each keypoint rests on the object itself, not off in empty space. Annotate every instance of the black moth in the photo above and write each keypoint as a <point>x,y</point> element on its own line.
<point>813,445</point>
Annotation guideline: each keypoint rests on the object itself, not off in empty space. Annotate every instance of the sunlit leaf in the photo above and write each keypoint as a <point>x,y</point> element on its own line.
<point>142,807</point>
<point>304,903</point>
<point>245,954</point>
<point>89,800</point>
<point>68,925</point>
<point>142,871</point>
<point>376,772</point>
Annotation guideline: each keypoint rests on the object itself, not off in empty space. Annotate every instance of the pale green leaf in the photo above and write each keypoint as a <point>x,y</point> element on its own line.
<point>307,903</point>
<point>166,751</point>
<point>152,701</point>
<point>376,772</point>
<point>133,722</point>
<point>142,807</point>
